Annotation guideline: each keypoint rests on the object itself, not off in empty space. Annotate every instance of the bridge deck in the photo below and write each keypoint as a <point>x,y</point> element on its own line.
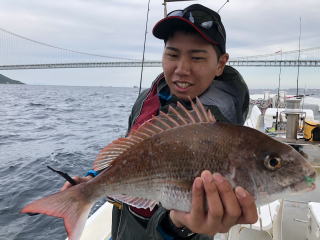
<point>246,63</point>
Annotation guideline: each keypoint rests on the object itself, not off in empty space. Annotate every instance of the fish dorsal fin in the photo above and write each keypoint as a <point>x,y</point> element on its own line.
<point>176,117</point>
<point>179,116</point>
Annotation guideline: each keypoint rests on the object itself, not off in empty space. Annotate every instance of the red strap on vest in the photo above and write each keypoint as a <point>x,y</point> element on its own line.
<point>149,108</point>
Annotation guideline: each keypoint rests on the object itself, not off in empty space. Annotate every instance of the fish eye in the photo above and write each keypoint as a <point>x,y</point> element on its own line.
<point>272,162</point>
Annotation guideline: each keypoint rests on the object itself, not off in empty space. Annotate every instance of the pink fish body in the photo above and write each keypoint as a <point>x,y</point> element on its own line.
<point>159,161</point>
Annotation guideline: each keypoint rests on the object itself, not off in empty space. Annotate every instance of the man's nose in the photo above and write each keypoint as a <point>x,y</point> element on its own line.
<point>183,66</point>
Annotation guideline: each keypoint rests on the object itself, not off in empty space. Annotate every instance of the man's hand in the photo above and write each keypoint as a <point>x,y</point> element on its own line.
<point>216,207</point>
<point>77,180</point>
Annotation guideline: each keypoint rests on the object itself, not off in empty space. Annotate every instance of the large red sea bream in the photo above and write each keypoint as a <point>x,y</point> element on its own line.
<point>160,160</point>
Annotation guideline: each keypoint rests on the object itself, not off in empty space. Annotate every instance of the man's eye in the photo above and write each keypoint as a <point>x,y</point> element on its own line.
<point>172,55</point>
<point>198,58</point>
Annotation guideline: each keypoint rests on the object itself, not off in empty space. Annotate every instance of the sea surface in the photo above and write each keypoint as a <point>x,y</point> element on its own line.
<point>63,127</point>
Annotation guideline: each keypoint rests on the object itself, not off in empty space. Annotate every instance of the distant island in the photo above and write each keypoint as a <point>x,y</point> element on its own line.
<point>6,80</point>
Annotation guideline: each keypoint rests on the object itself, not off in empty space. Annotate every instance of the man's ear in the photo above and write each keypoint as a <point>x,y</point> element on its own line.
<point>223,59</point>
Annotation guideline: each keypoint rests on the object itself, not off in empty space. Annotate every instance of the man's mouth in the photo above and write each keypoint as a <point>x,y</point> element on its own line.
<point>183,85</point>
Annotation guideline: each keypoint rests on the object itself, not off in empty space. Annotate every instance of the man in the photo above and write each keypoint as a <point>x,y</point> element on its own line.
<point>194,65</point>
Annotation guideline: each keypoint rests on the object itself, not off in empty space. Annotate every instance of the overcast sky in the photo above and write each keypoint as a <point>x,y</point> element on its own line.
<point>116,28</point>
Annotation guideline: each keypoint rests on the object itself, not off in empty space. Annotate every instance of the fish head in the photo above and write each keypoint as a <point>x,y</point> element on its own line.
<point>277,170</point>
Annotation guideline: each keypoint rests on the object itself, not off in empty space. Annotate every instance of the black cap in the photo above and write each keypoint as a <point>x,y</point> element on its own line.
<point>202,19</point>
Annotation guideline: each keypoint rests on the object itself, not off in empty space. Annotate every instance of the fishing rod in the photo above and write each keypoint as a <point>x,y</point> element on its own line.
<point>223,5</point>
<point>146,31</point>
<point>165,11</point>
<point>299,59</point>
<point>279,81</point>
<point>62,174</point>
<point>144,46</point>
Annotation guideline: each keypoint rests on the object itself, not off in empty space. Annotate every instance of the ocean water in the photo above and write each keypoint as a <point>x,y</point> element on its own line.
<point>63,127</point>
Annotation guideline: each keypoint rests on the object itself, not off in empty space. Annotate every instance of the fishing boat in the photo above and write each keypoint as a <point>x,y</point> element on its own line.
<point>284,219</point>
<point>296,217</point>
<point>284,118</point>
<point>276,219</point>
<point>98,225</point>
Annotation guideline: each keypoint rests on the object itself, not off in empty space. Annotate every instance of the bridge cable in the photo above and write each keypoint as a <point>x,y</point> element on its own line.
<point>60,48</point>
<point>274,54</point>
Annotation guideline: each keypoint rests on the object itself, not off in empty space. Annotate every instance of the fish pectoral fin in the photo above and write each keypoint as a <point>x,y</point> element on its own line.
<point>137,202</point>
<point>69,205</point>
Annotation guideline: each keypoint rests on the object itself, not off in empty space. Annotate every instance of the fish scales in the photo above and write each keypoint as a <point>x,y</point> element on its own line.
<point>169,152</point>
<point>159,162</point>
<point>169,161</point>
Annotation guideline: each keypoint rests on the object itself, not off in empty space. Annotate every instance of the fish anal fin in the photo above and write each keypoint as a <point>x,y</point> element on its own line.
<point>137,202</point>
<point>69,205</point>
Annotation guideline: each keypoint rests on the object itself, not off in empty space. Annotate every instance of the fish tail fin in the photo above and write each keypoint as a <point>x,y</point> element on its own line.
<point>71,205</point>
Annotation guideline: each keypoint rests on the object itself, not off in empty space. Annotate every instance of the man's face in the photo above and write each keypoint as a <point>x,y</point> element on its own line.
<point>190,64</point>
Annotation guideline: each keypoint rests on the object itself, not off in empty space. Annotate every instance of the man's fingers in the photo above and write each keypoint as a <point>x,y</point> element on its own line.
<point>215,207</point>
<point>232,210</point>
<point>67,185</point>
<point>198,211</point>
<point>248,207</point>
<point>179,218</point>
<point>78,180</point>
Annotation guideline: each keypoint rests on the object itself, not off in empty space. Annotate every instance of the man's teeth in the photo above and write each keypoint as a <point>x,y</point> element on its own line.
<point>183,85</point>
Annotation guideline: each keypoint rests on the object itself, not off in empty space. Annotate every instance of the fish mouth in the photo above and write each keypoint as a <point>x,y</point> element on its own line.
<point>306,185</point>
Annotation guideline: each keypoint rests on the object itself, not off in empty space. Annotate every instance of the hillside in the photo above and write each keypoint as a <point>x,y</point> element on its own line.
<point>6,80</point>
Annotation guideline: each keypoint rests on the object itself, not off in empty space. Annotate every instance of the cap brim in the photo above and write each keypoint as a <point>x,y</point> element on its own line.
<point>165,26</point>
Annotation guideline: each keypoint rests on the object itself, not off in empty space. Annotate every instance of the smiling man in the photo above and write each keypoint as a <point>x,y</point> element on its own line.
<point>190,64</point>
<point>194,65</point>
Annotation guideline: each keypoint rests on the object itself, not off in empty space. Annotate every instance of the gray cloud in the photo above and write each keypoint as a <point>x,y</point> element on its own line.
<point>116,27</point>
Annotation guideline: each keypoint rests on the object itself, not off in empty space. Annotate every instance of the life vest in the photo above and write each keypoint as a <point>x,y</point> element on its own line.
<point>228,92</point>
<point>150,108</point>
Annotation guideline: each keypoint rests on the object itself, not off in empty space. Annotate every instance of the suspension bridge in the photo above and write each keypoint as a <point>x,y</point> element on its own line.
<point>18,52</point>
